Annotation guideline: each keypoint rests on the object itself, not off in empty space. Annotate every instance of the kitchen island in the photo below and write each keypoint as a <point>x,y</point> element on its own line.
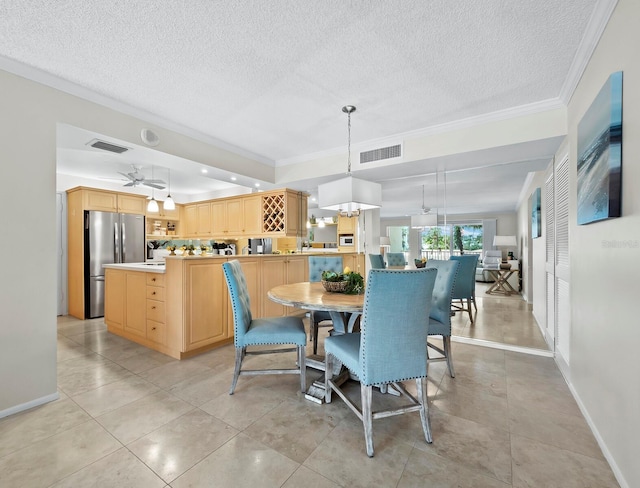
<point>183,308</point>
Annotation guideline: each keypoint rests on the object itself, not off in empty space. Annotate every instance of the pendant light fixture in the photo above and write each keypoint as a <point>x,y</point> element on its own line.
<point>425,219</point>
<point>349,195</point>
<point>152,206</point>
<point>169,204</point>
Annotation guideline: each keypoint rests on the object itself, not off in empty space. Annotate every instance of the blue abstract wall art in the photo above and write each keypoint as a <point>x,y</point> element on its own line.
<point>600,155</point>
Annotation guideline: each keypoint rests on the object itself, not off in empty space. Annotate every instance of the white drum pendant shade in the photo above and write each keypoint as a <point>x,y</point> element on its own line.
<point>349,195</point>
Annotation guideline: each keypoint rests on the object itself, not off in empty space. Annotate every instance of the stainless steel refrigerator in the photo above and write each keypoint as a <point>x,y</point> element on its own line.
<point>108,238</point>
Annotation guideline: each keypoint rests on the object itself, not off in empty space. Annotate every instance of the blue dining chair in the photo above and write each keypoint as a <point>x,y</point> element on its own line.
<point>391,347</point>
<point>395,259</point>
<point>377,261</point>
<point>440,315</point>
<point>319,318</point>
<point>264,331</point>
<point>465,285</point>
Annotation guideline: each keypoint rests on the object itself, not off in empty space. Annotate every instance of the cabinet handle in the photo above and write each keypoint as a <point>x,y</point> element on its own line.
<point>153,328</point>
<point>153,293</point>
<point>153,308</point>
<point>153,279</point>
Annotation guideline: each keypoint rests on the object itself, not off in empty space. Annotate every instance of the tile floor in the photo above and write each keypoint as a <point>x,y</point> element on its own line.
<point>131,417</point>
<point>500,319</point>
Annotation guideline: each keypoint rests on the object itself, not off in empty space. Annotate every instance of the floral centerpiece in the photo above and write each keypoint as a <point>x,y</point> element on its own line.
<point>203,249</point>
<point>172,249</point>
<point>346,282</point>
<point>420,263</point>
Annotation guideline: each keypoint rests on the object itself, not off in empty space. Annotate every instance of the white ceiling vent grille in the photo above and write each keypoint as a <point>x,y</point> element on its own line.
<point>107,146</point>
<point>381,153</point>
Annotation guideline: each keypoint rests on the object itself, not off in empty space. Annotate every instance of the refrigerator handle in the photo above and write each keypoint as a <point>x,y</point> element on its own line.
<point>116,244</point>
<point>124,243</point>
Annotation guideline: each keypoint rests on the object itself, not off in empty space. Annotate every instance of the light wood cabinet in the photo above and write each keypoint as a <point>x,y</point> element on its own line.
<point>355,262</point>
<point>277,271</point>
<point>236,217</point>
<point>80,199</point>
<point>347,225</point>
<point>132,204</point>
<point>163,214</point>
<point>284,214</point>
<point>135,306</point>
<point>197,218</point>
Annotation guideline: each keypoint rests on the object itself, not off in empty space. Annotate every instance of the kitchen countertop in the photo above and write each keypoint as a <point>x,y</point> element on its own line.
<point>151,267</point>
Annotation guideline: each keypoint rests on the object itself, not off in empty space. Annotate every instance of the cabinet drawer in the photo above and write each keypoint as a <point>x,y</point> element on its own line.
<point>155,293</point>
<point>155,279</point>
<point>156,331</point>
<point>155,311</point>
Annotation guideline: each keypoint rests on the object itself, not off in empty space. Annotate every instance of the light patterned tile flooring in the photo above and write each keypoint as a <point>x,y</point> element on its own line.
<point>130,417</point>
<point>499,318</point>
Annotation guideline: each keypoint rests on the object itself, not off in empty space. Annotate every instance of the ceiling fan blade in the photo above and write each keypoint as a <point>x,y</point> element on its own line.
<point>153,185</point>
<point>155,182</point>
<point>127,175</point>
<point>131,183</point>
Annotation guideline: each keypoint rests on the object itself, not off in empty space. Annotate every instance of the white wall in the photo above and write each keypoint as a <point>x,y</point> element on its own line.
<point>605,263</point>
<point>28,291</point>
<point>534,252</point>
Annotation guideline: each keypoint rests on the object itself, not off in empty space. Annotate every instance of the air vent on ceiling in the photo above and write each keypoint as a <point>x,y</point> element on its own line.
<point>107,146</point>
<point>381,153</point>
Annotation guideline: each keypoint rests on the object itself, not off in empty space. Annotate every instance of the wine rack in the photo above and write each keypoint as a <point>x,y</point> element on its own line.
<point>273,213</point>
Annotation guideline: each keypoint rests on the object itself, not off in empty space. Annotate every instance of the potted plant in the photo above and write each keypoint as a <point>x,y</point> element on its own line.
<point>190,248</point>
<point>346,282</point>
<point>172,249</point>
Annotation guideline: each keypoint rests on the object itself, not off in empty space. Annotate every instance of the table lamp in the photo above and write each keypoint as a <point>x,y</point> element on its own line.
<point>385,243</point>
<point>506,242</point>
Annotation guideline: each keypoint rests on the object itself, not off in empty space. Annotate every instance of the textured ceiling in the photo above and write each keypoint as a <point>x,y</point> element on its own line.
<point>269,77</point>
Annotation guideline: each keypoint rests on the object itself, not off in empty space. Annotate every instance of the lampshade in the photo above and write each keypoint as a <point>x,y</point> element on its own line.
<point>424,220</point>
<point>152,206</point>
<point>385,241</point>
<point>504,241</point>
<point>349,195</point>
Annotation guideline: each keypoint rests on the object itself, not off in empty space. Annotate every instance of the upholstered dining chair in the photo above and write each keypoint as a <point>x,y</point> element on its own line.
<point>377,261</point>
<point>465,285</point>
<point>395,260</point>
<point>319,318</point>
<point>390,347</point>
<point>263,331</point>
<point>440,315</point>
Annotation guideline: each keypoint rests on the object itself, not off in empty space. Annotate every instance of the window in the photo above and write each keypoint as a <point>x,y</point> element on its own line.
<point>440,242</point>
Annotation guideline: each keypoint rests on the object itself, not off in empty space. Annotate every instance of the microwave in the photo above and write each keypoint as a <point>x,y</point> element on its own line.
<point>346,240</point>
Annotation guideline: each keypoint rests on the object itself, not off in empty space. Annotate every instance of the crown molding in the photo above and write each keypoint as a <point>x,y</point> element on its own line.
<point>469,122</point>
<point>40,76</point>
<point>595,27</point>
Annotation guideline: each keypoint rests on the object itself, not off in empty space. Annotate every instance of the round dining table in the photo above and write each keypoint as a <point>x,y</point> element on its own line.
<point>344,309</point>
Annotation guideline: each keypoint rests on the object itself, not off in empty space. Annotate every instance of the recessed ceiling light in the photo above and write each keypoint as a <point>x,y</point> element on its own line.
<point>257,185</point>
<point>233,178</point>
<point>313,199</point>
<point>204,171</point>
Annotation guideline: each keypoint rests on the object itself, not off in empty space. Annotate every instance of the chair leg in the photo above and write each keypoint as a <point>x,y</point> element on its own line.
<point>314,333</point>
<point>421,387</point>
<point>367,420</point>
<point>303,368</point>
<point>328,375</point>
<point>446,342</point>
<point>468,309</point>
<point>236,372</point>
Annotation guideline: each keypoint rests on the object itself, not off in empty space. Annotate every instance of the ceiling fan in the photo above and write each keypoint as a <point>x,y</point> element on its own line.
<point>136,178</point>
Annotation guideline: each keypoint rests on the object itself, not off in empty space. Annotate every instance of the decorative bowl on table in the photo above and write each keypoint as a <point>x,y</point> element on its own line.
<point>420,263</point>
<point>335,286</point>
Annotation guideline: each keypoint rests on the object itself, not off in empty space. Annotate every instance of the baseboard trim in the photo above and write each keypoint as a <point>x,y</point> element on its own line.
<point>504,347</point>
<point>565,370</point>
<point>31,404</point>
